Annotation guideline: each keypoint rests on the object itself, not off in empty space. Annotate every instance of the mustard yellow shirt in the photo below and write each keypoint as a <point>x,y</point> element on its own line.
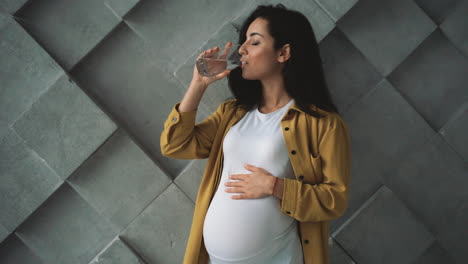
<point>319,151</point>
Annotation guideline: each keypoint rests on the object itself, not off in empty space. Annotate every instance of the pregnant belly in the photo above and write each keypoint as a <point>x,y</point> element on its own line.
<point>239,229</point>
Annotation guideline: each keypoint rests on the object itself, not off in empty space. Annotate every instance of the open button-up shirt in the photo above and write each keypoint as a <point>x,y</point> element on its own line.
<point>319,152</point>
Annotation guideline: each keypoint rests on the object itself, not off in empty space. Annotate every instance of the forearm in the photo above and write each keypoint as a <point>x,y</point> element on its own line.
<point>192,97</point>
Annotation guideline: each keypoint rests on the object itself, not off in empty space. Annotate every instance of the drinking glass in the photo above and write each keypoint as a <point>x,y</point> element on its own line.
<point>211,65</point>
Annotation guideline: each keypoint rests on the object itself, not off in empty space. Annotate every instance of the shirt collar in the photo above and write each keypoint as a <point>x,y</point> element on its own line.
<point>293,106</point>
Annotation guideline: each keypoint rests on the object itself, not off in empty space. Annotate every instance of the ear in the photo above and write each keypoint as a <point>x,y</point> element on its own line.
<point>284,53</point>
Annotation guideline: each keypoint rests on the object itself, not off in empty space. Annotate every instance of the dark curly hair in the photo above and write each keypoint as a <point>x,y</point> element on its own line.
<point>303,73</point>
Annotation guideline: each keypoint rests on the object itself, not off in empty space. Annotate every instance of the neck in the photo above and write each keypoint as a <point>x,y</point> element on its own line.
<point>274,92</point>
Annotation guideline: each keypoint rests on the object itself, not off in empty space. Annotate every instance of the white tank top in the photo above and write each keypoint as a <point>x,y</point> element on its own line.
<point>252,230</point>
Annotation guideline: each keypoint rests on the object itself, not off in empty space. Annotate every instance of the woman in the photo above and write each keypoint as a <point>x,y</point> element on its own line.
<point>278,153</point>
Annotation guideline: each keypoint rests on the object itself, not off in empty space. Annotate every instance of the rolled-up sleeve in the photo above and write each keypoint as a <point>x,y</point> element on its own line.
<point>327,200</point>
<point>183,139</point>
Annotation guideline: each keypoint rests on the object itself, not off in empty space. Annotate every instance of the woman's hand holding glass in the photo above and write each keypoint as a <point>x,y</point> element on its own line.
<point>210,67</point>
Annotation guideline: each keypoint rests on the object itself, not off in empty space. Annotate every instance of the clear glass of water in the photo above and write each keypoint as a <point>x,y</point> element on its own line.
<point>214,64</point>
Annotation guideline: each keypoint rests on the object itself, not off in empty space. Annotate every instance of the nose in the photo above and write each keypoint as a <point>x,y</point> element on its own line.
<point>240,49</point>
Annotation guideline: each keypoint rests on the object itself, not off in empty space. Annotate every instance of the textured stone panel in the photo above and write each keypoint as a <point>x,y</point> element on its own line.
<point>26,71</point>
<point>119,171</point>
<point>13,251</point>
<point>336,8</point>
<point>122,76</point>
<point>117,253</point>
<point>348,73</point>
<point>176,28</point>
<point>189,179</point>
<point>26,181</point>
<point>384,231</point>
<point>435,254</point>
<point>436,9</point>
<point>64,127</point>
<point>384,126</point>
<point>338,254</point>
<point>432,181</point>
<point>456,130</point>
<point>68,30</point>
<point>3,233</point>
<point>120,7</point>
<point>11,6</point>
<point>455,27</point>
<point>65,229</point>
<point>160,233</point>
<point>434,79</point>
<point>386,31</point>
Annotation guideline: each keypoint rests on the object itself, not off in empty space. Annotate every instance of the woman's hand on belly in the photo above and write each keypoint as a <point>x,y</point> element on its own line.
<point>257,184</point>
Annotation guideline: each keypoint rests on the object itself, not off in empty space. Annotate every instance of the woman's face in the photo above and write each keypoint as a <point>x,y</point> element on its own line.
<point>262,61</point>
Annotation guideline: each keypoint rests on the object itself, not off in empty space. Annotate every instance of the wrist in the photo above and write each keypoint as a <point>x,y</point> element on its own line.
<point>198,85</point>
<point>275,183</point>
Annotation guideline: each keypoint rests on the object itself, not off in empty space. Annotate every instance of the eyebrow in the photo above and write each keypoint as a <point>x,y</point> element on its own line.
<point>255,33</point>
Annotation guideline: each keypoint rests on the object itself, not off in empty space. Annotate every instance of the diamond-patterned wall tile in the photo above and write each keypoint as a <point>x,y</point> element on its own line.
<point>336,8</point>
<point>121,75</point>
<point>176,28</point>
<point>433,79</point>
<point>455,26</point>
<point>348,73</point>
<point>436,9</point>
<point>189,179</point>
<point>26,181</point>
<point>455,132</point>
<point>11,6</point>
<point>435,254</point>
<point>70,127</point>
<point>14,251</point>
<point>390,31</point>
<point>166,232</point>
<point>119,171</point>
<point>432,181</point>
<point>118,253</point>
<point>120,7</point>
<point>68,30</point>
<point>26,71</point>
<point>338,254</point>
<point>384,231</point>
<point>65,229</point>
<point>3,233</point>
<point>380,121</point>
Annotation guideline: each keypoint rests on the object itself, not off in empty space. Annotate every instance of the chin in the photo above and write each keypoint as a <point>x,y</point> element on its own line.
<point>248,77</point>
<point>244,76</point>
